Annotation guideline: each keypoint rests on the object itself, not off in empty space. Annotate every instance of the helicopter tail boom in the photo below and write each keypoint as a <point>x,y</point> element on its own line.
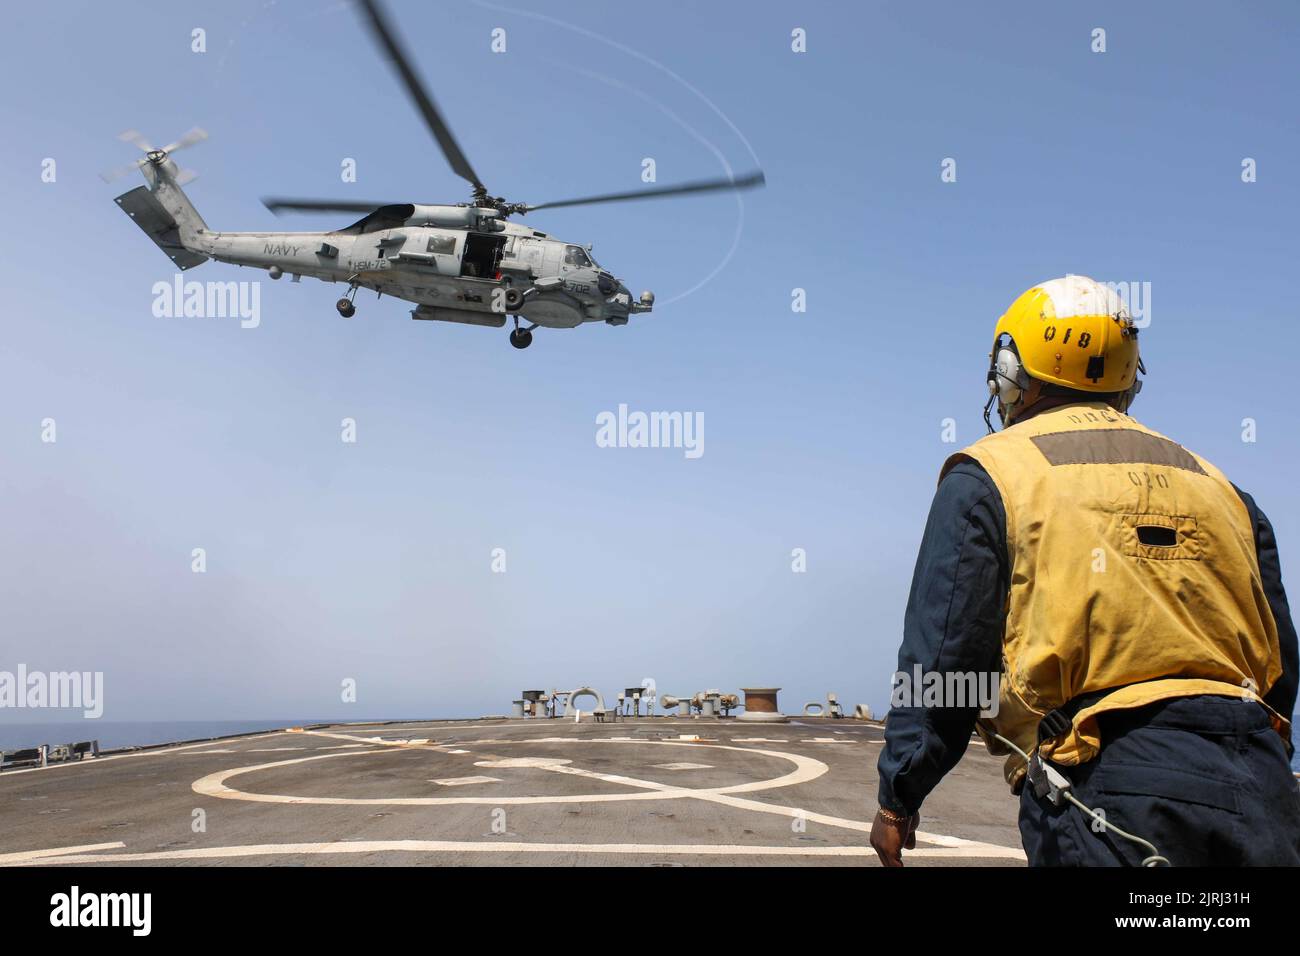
<point>158,223</point>
<point>162,210</point>
<point>162,178</point>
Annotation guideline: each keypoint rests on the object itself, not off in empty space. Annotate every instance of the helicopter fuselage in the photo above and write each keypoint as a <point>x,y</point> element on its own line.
<point>455,263</point>
<point>462,263</point>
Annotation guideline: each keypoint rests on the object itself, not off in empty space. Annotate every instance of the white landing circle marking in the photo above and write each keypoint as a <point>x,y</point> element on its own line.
<point>806,768</point>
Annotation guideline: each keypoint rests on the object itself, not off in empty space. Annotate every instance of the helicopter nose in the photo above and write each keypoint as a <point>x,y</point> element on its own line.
<point>610,285</point>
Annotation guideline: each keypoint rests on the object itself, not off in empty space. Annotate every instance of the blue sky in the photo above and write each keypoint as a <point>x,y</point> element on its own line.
<point>371,561</point>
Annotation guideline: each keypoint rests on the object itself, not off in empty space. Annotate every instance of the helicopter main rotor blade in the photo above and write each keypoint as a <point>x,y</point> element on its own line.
<point>387,38</point>
<point>278,205</point>
<point>748,181</point>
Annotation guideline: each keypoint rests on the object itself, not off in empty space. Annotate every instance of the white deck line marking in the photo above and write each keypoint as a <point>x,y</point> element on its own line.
<point>683,766</point>
<point>455,846</point>
<point>464,781</point>
<point>662,723</point>
<point>807,769</point>
<point>422,744</point>
<point>26,856</point>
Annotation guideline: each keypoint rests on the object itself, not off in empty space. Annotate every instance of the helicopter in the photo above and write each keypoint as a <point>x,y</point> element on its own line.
<point>464,262</point>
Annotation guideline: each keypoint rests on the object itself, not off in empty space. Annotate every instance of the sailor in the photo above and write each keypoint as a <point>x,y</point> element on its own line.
<point>1129,599</point>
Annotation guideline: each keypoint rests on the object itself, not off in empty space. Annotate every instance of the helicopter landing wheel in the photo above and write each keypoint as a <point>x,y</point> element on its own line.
<point>346,308</point>
<point>521,338</point>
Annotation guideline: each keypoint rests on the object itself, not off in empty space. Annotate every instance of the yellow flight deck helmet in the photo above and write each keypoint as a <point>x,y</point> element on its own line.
<point>1072,332</point>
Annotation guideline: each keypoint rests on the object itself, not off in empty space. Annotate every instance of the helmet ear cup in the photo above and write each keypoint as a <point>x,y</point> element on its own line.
<point>1007,378</point>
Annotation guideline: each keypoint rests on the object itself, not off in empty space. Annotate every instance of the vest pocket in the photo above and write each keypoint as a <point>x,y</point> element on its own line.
<point>1159,537</point>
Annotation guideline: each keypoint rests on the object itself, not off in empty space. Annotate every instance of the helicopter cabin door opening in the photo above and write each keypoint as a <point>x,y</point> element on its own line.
<point>482,255</point>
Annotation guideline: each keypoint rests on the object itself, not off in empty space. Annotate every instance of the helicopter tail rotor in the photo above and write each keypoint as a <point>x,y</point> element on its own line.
<point>156,156</point>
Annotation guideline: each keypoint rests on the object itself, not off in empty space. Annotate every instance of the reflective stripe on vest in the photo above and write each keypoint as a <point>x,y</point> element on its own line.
<point>1133,566</point>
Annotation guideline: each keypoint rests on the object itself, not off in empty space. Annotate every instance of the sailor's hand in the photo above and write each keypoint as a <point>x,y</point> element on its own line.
<point>891,835</point>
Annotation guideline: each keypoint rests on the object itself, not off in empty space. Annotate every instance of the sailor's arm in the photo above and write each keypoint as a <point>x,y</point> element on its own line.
<point>1282,695</point>
<point>954,622</point>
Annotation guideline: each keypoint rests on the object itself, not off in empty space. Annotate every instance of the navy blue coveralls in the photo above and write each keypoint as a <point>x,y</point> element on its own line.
<point>1205,778</point>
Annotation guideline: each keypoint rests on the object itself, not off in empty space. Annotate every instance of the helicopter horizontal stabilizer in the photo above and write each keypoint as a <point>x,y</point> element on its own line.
<point>157,223</point>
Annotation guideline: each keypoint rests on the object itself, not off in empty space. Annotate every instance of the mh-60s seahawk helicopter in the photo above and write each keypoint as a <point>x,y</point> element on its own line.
<point>462,263</point>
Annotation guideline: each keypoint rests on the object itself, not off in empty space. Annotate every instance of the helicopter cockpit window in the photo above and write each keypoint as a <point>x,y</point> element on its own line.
<point>576,256</point>
<point>442,245</point>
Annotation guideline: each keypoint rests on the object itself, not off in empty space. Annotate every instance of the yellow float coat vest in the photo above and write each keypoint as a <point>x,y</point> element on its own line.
<point>1132,566</point>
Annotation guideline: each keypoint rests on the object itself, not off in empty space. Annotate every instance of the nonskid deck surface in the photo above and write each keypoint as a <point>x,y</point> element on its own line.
<point>641,791</point>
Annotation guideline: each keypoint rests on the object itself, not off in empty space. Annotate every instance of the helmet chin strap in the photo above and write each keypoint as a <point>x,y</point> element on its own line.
<point>1127,399</point>
<point>988,408</point>
<point>1003,410</point>
<point>1028,395</point>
